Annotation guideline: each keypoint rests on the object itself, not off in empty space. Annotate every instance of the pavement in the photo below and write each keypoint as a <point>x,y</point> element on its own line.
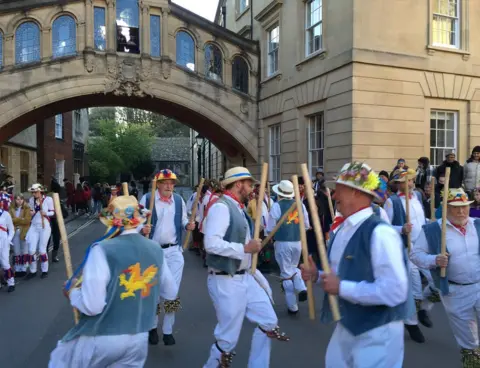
<point>37,315</point>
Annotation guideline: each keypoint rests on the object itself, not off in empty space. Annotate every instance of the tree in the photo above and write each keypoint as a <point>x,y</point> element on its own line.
<point>96,115</point>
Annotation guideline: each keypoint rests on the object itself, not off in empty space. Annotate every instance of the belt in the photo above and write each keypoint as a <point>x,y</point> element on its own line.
<point>223,273</point>
<point>457,283</point>
<point>165,246</point>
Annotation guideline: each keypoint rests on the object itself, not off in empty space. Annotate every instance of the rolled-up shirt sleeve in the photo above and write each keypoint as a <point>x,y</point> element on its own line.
<point>215,227</point>
<point>390,283</point>
<point>273,217</point>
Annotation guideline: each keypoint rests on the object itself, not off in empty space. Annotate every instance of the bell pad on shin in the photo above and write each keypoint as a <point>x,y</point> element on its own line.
<point>275,334</point>
<point>470,358</point>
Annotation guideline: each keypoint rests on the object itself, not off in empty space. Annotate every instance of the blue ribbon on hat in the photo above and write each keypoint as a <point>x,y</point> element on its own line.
<point>239,174</point>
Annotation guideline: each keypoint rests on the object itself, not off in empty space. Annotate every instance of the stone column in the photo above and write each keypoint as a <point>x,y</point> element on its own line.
<point>9,50</point>
<point>111,27</point>
<point>145,24</point>
<point>46,42</point>
<point>89,25</point>
<point>164,35</point>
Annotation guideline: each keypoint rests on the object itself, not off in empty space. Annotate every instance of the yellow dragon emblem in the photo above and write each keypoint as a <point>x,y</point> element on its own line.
<point>137,281</point>
<point>293,217</point>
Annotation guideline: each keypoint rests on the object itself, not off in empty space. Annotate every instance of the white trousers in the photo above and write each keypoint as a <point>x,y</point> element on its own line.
<point>381,347</point>
<point>20,250</point>
<point>37,240</point>
<point>417,289</point>
<point>5,258</point>
<point>462,306</point>
<point>235,298</point>
<point>175,261</point>
<point>287,255</point>
<point>101,352</point>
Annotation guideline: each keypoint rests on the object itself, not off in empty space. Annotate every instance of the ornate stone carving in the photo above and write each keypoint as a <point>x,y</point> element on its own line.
<point>89,60</point>
<point>166,67</point>
<point>244,108</point>
<point>128,77</point>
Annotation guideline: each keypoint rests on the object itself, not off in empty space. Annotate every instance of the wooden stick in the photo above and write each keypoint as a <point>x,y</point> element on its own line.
<point>268,196</point>
<point>330,204</point>
<point>194,212</point>
<point>152,201</point>
<point>258,220</point>
<point>407,212</point>
<point>125,189</point>
<point>279,223</point>
<point>432,199</point>
<point>319,236</point>
<point>41,210</point>
<point>303,239</point>
<point>66,248</point>
<point>446,187</point>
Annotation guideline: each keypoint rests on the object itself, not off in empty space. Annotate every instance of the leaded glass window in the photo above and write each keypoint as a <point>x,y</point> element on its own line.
<point>128,13</point>
<point>185,50</point>
<point>128,32</point>
<point>64,36</point>
<point>27,43</point>
<point>155,35</point>
<point>213,63</point>
<point>100,36</point>
<point>240,74</point>
<point>1,50</point>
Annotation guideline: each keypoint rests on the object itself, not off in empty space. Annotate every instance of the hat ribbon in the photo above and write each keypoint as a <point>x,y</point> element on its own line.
<point>284,192</point>
<point>240,174</point>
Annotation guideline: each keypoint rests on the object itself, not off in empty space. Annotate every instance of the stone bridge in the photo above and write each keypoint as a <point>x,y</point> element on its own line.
<point>56,56</point>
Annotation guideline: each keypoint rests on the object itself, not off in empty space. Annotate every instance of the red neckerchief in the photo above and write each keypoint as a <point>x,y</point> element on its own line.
<point>462,229</point>
<point>340,219</point>
<point>403,195</point>
<point>235,198</point>
<point>168,200</point>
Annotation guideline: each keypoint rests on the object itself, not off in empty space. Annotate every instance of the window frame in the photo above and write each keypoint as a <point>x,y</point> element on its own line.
<point>212,48</point>
<point>72,53</point>
<point>275,152</point>
<point>445,148</point>
<point>458,28</point>
<point>39,51</point>
<point>309,29</point>
<point>96,46</point>
<point>310,150</point>
<point>156,17</point>
<point>59,125</point>
<point>272,52</point>
<point>242,9</point>
<point>234,74</point>
<point>182,31</point>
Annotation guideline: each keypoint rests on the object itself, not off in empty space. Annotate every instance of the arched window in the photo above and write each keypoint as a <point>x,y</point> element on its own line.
<point>240,74</point>
<point>27,43</point>
<point>213,63</point>
<point>185,50</point>
<point>64,36</point>
<point>128,32</point>
<point>1,50</point>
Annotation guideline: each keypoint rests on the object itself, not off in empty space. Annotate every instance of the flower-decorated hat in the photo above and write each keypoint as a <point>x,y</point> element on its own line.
<point>359,176</point>
<point>123,212</point>
<point>166,174</point>
<point>381,191</point>
<point>400,175</point>
<point>457,197</point>
<point>36,188</point>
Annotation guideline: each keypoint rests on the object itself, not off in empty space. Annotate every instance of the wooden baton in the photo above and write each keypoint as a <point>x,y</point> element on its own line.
<point>279,223</point>
<point>407,212</point>
<point>432,199</point>
<point>330,204</point>
<point>446,186</point>
<point>194,212</point>
<point>261,195</point>
<point>125,189</point>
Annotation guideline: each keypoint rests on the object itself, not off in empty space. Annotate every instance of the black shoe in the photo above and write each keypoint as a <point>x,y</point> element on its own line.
<point>292,313</point>
<point>302,296</point>
<point>415,333</point>
<point>168,340</point>
<point>55,256</point>
<point>153,337</point>
<point>20,274</point>
<point>424,319</point>
<point>11,289</point>
<point>44,275</point>
<point>31,275</point>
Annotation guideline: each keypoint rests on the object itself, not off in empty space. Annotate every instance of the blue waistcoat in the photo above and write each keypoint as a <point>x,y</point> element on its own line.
<point>236,233</point>
<point>356,265</point>
<point>177,219</point>
<point>375,209</point>
<point>132,292</point>
<point>399,215</point>
<point>289,231</point>
<point>433,233</point>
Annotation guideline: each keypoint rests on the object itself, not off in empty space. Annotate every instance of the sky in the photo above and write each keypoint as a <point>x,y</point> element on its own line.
<point>204,8</point>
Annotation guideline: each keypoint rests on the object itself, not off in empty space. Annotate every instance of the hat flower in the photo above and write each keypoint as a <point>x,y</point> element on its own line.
<point>362,175</point>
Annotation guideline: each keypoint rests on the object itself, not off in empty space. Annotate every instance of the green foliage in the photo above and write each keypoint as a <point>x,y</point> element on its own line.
<point>98,114</point>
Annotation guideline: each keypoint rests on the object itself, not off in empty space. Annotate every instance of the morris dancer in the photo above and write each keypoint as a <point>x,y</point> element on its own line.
<point>7,231</point>
<point>169,219</point>
<point>235,292</point>
<point>287,245</point>
<point>21,217</point>
<point>124,274</point>
<point>5,197</point>
<point>461,288</point>
<point>368,274</point>
<point>39,232</point>
<point>395,208</point>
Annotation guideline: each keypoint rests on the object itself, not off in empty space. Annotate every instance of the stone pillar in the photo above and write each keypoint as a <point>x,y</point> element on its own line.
<point>46,42</point>
<point>89,25</point>
<point>164,36</point>
<point>111,27</point>
<point>9,50</point>
<point>145,24</point>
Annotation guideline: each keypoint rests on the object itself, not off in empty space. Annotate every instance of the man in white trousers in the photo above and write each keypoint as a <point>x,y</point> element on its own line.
<point>460,289</point>
<point>368,276</point>
<point>169,219</point>
<point>41,209</point>
<point>288,247</point>
<point>123,276</point>
<point>235,292</point>
<point>7,232</point>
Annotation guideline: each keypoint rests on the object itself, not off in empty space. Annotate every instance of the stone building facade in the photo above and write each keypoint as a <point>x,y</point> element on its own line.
<point>368,80</point>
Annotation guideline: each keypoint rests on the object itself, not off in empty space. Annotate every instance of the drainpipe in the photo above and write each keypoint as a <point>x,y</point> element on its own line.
<point>251,19</point>
<point>224,16</point>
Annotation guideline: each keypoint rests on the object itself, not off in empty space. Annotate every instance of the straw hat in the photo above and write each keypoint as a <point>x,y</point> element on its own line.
<point>457,197</point>
<point>166,174</point>
<point>399,175</point>
<point>123,211</point>
<point>236,174</point>
<point>359,176</point>
<point>284,189</point>
<point>36,188</point>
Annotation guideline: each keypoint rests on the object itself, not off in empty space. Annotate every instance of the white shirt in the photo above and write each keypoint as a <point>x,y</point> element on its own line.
<point>276,214</point>
<point>216,226</point>
<point>417,215</point>
<point>47,206</point>
<point>391,283</point>
<point>165,232</point>
<point>189,205</point>
<point>464,260</point>
<point>7,223</point>
<point>203,205</point>
<point>90,299</point>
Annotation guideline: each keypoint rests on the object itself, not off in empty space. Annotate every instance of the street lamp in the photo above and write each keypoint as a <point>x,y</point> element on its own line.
<point>199,140</point>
